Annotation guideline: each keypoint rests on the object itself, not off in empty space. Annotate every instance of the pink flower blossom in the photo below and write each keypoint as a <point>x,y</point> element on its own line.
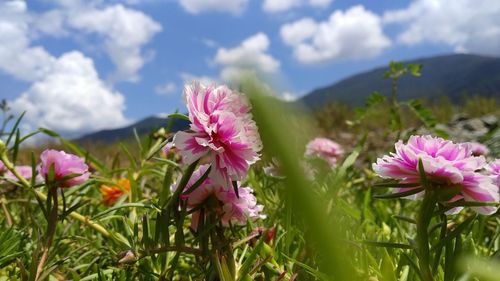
<point>478,148</point>
<point>65,165</point>
<point>445,164</point>
<point>222,128</point>
<point>230,208</point>
<point>25,171</point>
<point>493,170</point>
<point>325,149</point>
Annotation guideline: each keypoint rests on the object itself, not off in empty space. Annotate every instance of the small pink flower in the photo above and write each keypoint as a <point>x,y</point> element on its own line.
<point>325,149</point>
<point>493,170</point>
<point>230,208</point>
<point>445,164</point>
<point>25,171</point>
<point>65,165</point>
<point>222,128</point>
<point>478,148</point>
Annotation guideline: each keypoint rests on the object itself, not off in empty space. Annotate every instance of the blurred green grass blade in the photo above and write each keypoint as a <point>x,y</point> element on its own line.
<point>279,139</point>
<point>484,270</point>
<point>14,128</point>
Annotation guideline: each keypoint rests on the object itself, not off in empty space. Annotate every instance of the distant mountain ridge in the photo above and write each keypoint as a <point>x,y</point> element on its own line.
<point>143,127</point>
<point>451,75</point>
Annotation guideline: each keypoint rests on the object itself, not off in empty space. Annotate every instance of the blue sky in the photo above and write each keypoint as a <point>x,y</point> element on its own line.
<point>79,66</point>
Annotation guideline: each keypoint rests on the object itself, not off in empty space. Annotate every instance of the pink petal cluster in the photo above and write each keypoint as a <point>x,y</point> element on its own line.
<point>493,170</point>
<point>25,171</point>
<point>445,163</point>
<point>478,148</point>
<point>230,208</point>
<point>325,149</point>
<point>222,128</point>
<point>65,165</point>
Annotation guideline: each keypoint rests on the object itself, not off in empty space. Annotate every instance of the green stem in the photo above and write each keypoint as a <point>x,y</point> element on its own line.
<point>51,229</point>
<point>423,220</point>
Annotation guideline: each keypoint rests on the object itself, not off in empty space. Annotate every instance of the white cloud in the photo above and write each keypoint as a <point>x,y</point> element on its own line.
<point>198,6</point>
<point>287,96</point>
<point>466,25</point>
<point>203,79</point>
<point>17,57</point>
<point>71,99</point>
<point>125,32</point>
<point>353,34</point>
<point>276,6</point>
<point>166,89</point>
<point>251,55</point>
<point>66,93</point>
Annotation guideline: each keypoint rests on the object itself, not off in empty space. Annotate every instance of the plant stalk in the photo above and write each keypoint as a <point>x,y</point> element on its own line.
<point>423,220</point>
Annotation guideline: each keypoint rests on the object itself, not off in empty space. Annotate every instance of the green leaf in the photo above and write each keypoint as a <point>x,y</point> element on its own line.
<point>424,114</point>
<point>374,99</point>
<point>14,128</point>
<point>414,69</point>
<point>454,233</point>
<point>387,244</point>
<point>178,116</point>
<point>48,132</point>
<point>250,260</point>
<point>198,182</point>
<point>398,194</point>
<point>127,205</point>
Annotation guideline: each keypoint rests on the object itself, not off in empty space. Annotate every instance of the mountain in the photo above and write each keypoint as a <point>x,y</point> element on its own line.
<point>452,75</point>
<point>142,127</point>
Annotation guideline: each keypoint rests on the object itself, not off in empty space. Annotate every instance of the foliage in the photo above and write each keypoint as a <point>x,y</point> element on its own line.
<point>333,225</point>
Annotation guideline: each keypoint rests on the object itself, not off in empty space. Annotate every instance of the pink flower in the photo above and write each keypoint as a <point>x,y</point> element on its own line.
<point>222,128</point>
<point>2,167</point>
<point>493,170</point>
<point>325,149</point>
<point>25,171</point>
<point>65,165</point>
<point>229,208</point>
<point>445,163</point>
<point>478,148</point>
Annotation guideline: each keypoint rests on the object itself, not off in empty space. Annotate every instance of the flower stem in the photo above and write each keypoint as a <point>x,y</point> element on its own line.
<point>423,220</point>
<point>51,230</point>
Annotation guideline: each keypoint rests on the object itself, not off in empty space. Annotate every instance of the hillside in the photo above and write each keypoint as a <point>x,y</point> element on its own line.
<point>455,75</point>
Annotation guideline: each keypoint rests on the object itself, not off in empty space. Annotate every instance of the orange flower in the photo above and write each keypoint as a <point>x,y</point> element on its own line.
<point>111,194</point>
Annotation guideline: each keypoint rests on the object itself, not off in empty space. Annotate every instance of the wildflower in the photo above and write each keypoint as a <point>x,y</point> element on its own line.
<point>230,208</point>
<point>110,194</point>
<point>478,148</point>
<point>325,149</point>
<point>446,165</point>
<point>493,170</point>
<point>69,169</point>
<point>25,171</point>
<point>221,128</point>
<point>273,169</point>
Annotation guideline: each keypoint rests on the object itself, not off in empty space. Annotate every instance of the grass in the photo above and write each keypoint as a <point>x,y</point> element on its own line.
<point>330,227</point>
